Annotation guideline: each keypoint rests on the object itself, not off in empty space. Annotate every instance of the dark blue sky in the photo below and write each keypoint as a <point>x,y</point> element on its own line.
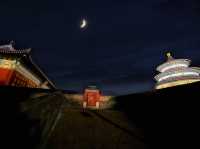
<point>120,49</point>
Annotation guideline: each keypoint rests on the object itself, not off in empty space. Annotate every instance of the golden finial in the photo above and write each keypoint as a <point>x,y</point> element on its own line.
<point>169,54</point>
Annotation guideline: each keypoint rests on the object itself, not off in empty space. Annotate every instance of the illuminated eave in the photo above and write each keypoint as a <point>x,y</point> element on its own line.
<point>186,74</point>
<point>177,73</point>
<point>173,64</point>
<point>176,83</point>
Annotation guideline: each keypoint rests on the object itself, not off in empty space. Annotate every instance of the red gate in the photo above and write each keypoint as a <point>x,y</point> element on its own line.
<point>91,97</point>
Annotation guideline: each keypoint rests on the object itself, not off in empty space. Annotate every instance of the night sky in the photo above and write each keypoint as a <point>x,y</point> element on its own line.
<point>120,48</point>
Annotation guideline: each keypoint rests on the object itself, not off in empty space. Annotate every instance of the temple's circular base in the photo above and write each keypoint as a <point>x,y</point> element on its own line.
<point>176,83</point>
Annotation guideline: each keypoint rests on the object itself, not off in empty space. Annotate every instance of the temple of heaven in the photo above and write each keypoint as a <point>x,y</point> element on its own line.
<point>176,72</point>
<point>18,69</point>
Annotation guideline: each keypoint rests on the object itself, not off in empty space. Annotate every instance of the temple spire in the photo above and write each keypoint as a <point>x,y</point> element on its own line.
<point>169,56</point>
<point>12,43</point>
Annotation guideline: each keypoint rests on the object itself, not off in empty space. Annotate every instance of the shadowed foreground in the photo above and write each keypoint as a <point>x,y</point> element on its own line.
<point>47,120</point>
<point>33,118</point>
<point>94,130</point>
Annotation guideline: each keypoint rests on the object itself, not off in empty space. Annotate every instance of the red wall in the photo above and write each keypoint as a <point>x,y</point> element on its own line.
<point>5,75</point>
<point>91,97</point>
<point>13,78</point>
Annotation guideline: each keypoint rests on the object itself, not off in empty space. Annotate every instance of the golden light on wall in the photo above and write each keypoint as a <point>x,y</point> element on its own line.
<point>8,64</point>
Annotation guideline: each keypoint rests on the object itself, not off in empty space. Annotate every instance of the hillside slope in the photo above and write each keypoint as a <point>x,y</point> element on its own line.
<point>169,116</point>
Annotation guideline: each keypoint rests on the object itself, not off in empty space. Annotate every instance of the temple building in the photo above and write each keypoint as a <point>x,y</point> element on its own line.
<point>18,69</point>
<point>176,72</point>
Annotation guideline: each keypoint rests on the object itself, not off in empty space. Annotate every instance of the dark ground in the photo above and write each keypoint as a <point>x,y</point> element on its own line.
<point>170,118</point>
<point>46,119</point>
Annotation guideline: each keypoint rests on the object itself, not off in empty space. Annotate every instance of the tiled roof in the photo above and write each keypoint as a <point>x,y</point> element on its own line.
<point>10,49</point>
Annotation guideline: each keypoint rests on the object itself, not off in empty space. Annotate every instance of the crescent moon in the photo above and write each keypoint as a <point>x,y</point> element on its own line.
<point>83,23</point>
